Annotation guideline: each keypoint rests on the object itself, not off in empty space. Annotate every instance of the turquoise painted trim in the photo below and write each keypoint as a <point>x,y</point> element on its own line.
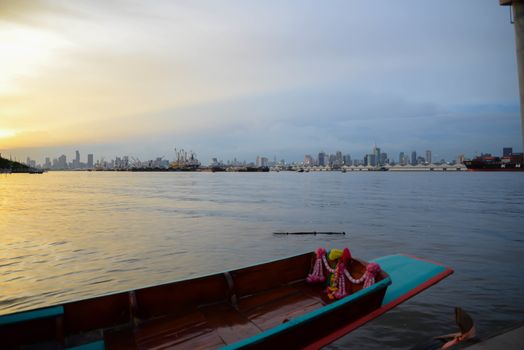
<point>97,345</point>
<point>31,315</point>
<point>297,322</point>
<point>407,273</point>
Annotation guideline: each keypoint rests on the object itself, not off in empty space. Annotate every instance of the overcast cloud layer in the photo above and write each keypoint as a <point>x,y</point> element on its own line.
<point>241,79</point>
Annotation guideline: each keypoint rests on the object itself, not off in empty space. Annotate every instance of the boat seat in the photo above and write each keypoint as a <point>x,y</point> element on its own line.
<point>173,332</point>
<point>217,324</point>
<point>231,325</point>
<point>270,308</point>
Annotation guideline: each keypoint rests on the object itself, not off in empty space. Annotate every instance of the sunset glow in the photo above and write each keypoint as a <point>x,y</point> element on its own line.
<point>24,52</point>
<point>141,79</point>
<point>6,133</point>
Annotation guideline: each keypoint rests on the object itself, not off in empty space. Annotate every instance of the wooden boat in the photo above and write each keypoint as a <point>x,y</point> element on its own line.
<point>270,305</point>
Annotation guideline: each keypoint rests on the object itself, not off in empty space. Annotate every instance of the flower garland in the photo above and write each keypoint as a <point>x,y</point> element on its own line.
<point>317,275</point>
<point>337,283</point>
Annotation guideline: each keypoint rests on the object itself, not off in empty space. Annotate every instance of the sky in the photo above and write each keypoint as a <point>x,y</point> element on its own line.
<point>245,78</point>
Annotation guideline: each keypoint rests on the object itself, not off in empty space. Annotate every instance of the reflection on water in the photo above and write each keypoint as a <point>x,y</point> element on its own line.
<point>72,235</point>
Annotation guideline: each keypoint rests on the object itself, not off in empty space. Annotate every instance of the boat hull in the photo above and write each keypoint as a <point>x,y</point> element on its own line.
<point>512,162</point>
<point>264,306</point>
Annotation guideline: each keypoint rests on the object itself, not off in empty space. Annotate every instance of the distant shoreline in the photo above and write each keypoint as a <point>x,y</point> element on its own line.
<point>452,169</point>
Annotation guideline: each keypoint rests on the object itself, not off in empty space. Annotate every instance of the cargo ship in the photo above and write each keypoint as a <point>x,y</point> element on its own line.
<point>185,161</point>
<point>486,162</point>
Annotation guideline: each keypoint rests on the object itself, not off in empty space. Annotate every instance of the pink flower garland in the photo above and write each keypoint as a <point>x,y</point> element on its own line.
<point>318,275</point>
<point>338,291</point>
<point>337,286</point>
<point>371,271</point>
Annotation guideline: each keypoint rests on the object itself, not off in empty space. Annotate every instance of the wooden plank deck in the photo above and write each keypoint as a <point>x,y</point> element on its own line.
<point>220,324</point>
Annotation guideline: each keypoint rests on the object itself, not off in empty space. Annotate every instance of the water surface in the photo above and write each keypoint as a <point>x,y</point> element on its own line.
<point>71,235</point>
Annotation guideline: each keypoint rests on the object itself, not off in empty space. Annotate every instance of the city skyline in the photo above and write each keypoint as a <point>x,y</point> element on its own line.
<point>376,157</point>
<point>249,78</point>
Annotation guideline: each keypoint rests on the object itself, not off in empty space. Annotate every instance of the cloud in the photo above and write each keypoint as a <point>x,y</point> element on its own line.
<point>35,13</point>
<point>242,78</point>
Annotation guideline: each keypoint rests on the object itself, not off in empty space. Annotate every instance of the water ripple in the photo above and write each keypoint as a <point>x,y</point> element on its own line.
<point>96,233</point>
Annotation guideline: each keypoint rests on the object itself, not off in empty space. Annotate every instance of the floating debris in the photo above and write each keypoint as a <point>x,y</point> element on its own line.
<point>309,233</point>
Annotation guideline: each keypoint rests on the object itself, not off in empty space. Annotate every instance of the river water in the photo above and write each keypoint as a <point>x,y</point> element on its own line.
<point>71,235</point>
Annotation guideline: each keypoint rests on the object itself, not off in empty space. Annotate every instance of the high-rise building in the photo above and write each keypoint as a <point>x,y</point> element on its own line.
<point>332,159</point>
<point>30,162</point>
<point>347,159</point>
<point>47,164</point>
<point>372,160</point>
<point>383,158</point>
<point>90,161</point>
<point>76,161</point>
<point>62,162</point>
<point>376,153</point>
<point>507,151</point>
<point>414,158</point>
<point>428,156</point>
<point>401,158</point>
<point>338,158</point>
<point>321,159</point>
<point>308,160</point>
<point>262,161</point>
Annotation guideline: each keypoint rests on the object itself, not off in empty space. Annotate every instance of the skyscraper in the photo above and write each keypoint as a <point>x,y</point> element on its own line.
<point>308,160</point>
<point>376,153</point>
<point>372,160</point>
<point>338,158</point>
<point>414,158</point>
<point>331,159</point>
<point>428,156</point>
<point>62,162</point>
<point>261,161</point>
<point>76,161</point>
<point>401,158</point>
<point>383,159</point>
<point>321,159</point>
<point>90,160</point>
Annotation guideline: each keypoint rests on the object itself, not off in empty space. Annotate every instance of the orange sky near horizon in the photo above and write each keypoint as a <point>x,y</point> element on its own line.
<point>73,75</point>
<point>248,78</point>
